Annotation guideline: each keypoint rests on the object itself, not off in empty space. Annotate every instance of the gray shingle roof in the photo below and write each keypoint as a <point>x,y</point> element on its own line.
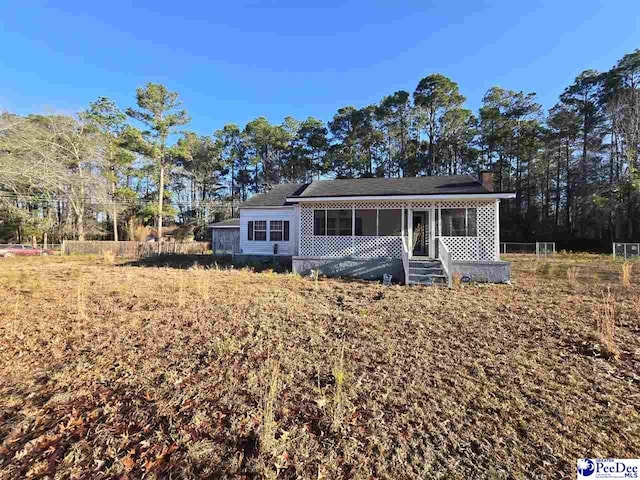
<point>452,184</point>
<point>362,187</point>
<point>228,223</point>
<point>276,197</point>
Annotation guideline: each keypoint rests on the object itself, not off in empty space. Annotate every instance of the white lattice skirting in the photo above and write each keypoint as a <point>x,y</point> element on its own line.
<point>362,247</point>
<point>470,248</point>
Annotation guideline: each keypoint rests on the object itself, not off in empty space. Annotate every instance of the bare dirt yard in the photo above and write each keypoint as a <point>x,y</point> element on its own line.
<point>111,371</point>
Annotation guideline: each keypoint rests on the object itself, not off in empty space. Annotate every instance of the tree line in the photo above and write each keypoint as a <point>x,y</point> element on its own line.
<point>112,173</point>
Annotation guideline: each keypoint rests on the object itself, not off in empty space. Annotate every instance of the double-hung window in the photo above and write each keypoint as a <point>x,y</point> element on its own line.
<point>257,230</point>
<point>275,230</point>
<point>279,230</point>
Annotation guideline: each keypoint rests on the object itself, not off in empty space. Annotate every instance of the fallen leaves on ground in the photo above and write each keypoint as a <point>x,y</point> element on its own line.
<point>117,371</point>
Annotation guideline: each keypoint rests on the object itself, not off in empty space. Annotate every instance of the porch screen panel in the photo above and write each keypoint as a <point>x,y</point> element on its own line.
<point>366,223</point>
<point>453,222</point>
<point>390,223</point>
<point>319,222</point>
<point>339,222</point>
<point>459,222</point>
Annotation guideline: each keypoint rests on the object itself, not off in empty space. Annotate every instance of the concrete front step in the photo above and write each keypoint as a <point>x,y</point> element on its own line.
<point>426,271</point>
<point>425,263</point>
<point>427,280</point>
<point>413,276</point>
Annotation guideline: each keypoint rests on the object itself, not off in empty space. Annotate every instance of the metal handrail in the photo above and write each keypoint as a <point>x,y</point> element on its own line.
<point>445,258</point>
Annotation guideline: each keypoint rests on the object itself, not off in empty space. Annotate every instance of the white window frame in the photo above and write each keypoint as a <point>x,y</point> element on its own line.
<point>273,230</point>
<point>256,230</point>
<point>466,221</point>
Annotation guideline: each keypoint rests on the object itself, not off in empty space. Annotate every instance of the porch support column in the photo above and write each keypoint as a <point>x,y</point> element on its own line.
<point>432,231</point>
<point>353,230</point>
<point>298,225</point>
<point>410,232</point>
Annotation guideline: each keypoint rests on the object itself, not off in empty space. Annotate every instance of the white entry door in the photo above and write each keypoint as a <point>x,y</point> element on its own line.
<point>424,233</point>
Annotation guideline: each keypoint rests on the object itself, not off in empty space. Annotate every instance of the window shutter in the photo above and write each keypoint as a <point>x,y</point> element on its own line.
<point>250,230</point>
<point>285,227</point>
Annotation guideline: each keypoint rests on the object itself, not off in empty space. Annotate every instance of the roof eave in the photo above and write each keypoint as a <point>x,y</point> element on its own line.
<point>264,206</point>
<point>437,196</point>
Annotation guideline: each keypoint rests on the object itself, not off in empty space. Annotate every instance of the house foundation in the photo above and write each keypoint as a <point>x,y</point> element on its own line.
<point>492,272</point>
<point>362,268</point>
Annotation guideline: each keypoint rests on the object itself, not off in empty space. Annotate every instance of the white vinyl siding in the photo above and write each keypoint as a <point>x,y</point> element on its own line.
<point>268,215</point>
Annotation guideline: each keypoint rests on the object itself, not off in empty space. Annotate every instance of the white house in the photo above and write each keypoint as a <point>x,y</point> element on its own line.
<point>419,229</point>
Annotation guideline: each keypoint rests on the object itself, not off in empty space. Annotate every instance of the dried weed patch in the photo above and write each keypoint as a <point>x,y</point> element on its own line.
<point>113,371</point>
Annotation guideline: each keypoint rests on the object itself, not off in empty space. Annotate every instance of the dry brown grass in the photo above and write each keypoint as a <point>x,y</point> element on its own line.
<point>572,276</point>
<point>339,377</point>
<point>269,424</point>
<point>625,275</point>
<point>606,325</point>
<point>108,371</point>
<point>108,257</point>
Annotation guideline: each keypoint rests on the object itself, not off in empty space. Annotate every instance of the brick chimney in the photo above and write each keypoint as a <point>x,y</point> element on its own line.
<point>486,178</point>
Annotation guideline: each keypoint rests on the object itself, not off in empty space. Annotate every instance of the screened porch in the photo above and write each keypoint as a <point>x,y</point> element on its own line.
<point>467,229</point>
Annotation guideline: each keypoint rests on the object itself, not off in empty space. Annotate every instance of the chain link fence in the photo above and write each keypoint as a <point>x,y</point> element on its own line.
<point>626,250</point>
<point>539,249</point>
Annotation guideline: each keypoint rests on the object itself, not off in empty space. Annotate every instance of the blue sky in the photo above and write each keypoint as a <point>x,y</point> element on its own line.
<point>235,61</point>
